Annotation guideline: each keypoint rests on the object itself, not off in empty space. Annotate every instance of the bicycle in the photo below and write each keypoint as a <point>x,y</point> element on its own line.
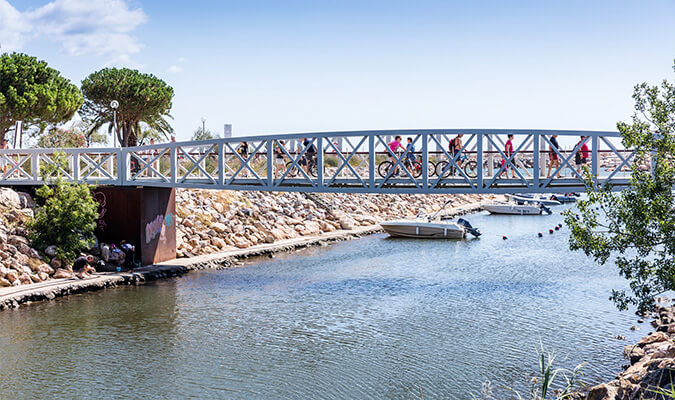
<point>414,167</point>
<point>470,167</point>
<point>313,172</point>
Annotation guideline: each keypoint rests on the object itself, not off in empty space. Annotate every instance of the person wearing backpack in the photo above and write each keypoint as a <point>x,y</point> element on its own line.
<point>455,146</point>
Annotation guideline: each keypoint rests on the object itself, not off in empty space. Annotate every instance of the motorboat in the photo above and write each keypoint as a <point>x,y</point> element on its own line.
<point>514,208</point>
<point>430,227</point>
<point>565,198</point>
<point>524,198</point>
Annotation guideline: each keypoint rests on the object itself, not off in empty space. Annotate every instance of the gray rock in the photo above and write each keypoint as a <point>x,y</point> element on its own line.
<point>51,251</point>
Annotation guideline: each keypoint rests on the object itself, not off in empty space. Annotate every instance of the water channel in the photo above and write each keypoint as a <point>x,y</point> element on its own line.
<point>370,318</point>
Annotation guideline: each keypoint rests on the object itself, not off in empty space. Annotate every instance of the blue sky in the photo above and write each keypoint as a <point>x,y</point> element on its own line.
<point>294,66</point>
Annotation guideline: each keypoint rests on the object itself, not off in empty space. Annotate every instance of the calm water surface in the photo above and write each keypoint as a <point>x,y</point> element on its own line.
<point>370,318</point>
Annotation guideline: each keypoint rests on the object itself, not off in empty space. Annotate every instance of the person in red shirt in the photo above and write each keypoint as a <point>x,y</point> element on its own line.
<point>508,152</point>
<point>393,146</point>
<point>581,157</point>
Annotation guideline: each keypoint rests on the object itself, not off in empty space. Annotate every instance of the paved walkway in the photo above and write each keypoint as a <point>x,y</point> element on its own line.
<point>12,297</point>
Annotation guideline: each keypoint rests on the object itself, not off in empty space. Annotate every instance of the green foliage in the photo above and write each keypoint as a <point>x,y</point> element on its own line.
<point>68,217</point>
<point>143,98</point>
<point>148,134</point>
<point>78,135</point>
<point>201,134</point>
<point>32,92</point>
<point>542,385</point>
<point>636,227</point>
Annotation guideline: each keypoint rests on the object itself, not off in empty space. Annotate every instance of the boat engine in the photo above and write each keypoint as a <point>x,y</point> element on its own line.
<point>475,232</point>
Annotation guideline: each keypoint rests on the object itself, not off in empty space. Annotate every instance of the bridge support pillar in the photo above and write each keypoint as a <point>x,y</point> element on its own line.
<point>144,217</point>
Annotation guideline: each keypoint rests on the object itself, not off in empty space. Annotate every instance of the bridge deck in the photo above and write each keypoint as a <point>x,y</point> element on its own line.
<point>360,161</point>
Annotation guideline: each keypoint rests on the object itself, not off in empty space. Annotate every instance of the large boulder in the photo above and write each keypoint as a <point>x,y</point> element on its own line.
<point>219,227</point>
<point>25,279</point>
<point>51,251</point>
<point>12,276</point>
<point>602,392</point>
<point>62,273</point>
<point>312,228</point>
<point>10,198</point>
<point>218,242</point>
<point>45,268</point>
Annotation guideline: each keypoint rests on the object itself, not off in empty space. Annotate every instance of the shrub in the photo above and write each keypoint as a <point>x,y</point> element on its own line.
<point>68,217</point>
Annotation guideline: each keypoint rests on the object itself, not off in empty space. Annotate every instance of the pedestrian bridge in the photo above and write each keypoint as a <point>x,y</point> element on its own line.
<point>358,161</point>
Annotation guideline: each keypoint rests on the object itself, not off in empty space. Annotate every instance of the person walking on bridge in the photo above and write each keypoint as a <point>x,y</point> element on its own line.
<point>279,165</point>
<point>508,153</point>
<point>242,150</point>
<point>581,156</point>
<point>553,160</point>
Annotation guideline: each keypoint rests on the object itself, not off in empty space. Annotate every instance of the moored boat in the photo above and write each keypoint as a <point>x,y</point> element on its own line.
<point>565,198</point>
<point>430,227</point>
<point>513,208</point>
<point>524,198</point>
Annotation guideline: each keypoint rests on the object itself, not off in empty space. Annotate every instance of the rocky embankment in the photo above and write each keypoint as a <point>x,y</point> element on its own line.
<point>213,221</point>
<point>20,264</point>
<point>652,364</point>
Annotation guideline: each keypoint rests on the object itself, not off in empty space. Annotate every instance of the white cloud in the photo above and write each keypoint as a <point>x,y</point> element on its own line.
<point>82,27</point>
<point>174,69</point>
<point>12,27</point>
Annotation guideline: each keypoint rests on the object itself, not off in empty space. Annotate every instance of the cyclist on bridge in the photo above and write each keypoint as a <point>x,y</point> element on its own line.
<point>410,148</point>
<point>393,146</point>
<point>455,146</point>
<point>309,159</point>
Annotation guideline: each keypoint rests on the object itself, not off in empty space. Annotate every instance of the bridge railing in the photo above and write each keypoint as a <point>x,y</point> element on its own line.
<point>345,161</point>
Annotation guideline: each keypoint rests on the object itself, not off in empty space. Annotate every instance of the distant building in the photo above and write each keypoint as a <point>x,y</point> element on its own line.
<point>227,133</point>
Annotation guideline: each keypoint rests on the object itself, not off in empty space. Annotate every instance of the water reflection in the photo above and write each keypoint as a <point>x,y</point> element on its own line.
<point>370,318</point>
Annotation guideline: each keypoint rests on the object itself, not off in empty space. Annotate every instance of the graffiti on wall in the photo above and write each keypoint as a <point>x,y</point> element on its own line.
<point>101,199</point>
<point>157,227</point>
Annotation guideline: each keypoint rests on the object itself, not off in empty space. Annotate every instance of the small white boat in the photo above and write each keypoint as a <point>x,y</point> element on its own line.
<point>430,227</point>
<point>423,228</point>
<point>522,199</point>
<point>513,208</point>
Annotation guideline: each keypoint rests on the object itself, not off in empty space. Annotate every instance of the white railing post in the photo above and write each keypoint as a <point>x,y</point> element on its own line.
<point>270,163</point>
<point>595,161</point>
<point>490,159</point>
<point>35,166</point>
<point>536,166</point>
<point>371,160</point>
<point>319,161</point>
<point>479,160</point>
<point>122,166</point>
<point>76,167</point>
<point>221,164</point>
<point>425,161</point>
<point>173,163</point>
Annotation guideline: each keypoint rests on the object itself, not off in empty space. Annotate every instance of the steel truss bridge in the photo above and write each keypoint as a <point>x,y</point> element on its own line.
<point>352,162</point>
